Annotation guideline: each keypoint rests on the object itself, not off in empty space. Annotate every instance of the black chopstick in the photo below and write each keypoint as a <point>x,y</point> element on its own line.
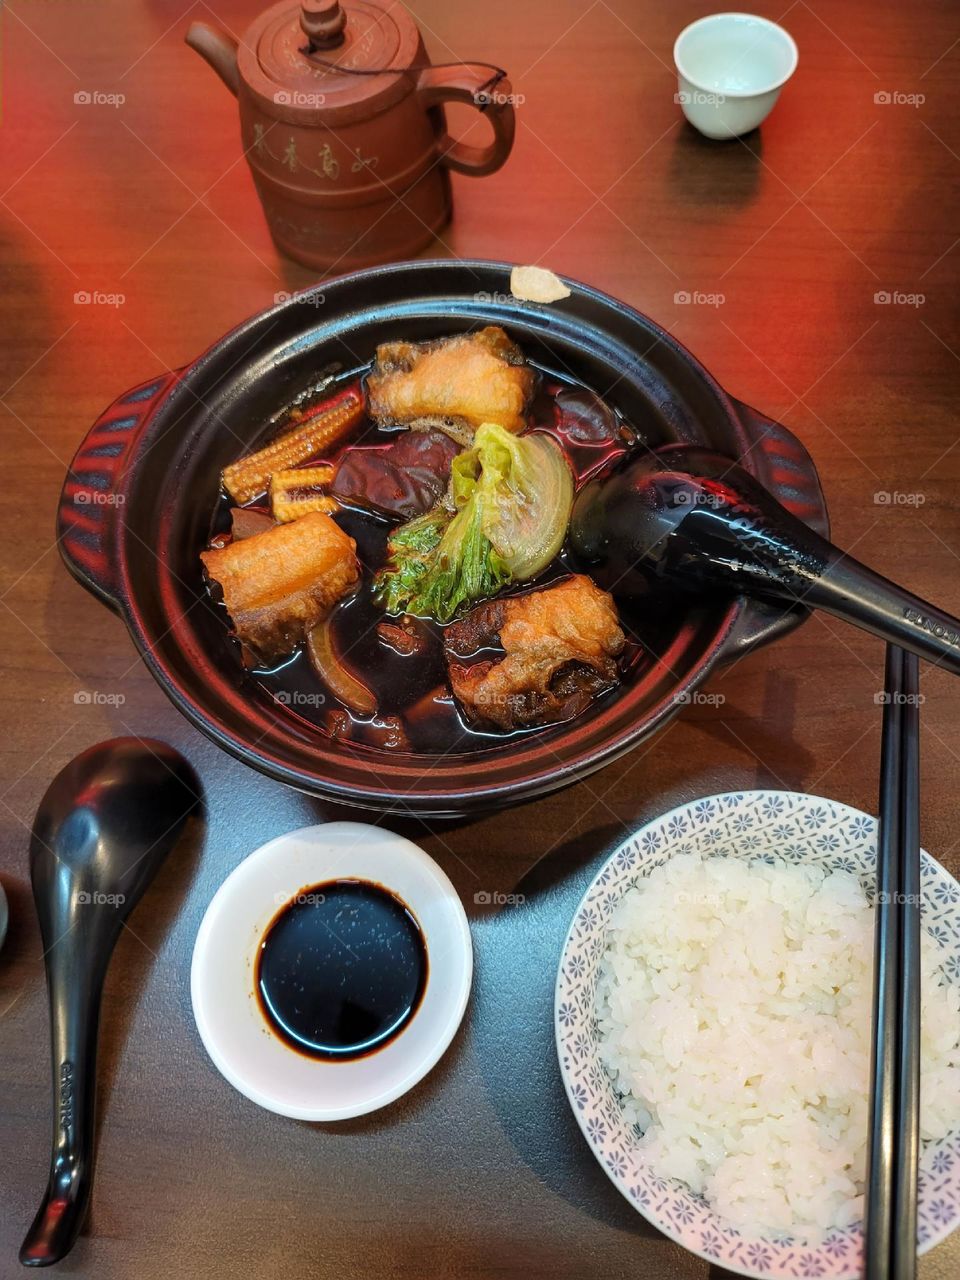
<point>879,1206</point>
<point>908,1102</point>
<point>893,1141</point>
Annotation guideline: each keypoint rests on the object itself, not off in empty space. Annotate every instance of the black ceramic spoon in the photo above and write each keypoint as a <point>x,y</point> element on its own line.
<point>694,518</point>
<point>104,826</point>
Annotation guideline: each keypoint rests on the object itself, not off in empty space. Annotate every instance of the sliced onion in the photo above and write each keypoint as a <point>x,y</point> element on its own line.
<point>341,682</point>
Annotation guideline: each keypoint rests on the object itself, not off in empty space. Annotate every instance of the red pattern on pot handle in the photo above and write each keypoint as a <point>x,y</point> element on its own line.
<point>91,501</point>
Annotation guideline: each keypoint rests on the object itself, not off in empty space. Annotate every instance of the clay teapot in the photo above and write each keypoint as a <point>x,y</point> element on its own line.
<point>342,123</point>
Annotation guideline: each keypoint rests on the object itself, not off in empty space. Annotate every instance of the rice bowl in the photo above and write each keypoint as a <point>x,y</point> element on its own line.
<point>685,1160</point>
<point>734,1005</point>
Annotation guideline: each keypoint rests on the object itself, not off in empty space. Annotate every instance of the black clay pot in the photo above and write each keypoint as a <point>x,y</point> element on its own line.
<point>136,508</point>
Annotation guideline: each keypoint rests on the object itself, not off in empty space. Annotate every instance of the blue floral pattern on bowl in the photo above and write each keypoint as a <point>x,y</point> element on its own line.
<point>801,828</point>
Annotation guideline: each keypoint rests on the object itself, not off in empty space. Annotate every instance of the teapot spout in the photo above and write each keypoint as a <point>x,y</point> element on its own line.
<point>219,49</point>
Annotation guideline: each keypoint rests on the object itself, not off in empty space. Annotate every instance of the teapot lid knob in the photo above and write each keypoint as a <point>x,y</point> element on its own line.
<point>322,22</point>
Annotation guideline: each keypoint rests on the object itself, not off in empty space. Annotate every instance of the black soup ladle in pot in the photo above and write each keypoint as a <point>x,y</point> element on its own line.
<point>690,517</point>
<point>104,826</point>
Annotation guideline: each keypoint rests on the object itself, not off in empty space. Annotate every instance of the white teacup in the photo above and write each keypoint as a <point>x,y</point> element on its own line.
<point>730,70</point>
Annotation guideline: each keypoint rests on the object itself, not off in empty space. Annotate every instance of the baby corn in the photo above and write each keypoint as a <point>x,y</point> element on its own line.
<point>250,476</point>
<point>296,492</point>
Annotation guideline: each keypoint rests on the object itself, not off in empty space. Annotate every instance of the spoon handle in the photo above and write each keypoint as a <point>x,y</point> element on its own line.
<point>75,984</point>
<point>850,590</point>
<point>766,548</point>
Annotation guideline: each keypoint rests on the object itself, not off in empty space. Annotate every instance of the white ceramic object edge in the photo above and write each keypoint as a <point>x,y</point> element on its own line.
<point>313,844</point>
<point>730,113</point>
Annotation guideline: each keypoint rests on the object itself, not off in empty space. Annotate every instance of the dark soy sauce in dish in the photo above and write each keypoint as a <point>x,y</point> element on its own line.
<point>341,969</point>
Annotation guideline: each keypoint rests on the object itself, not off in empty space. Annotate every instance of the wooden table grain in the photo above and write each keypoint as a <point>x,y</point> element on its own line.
<point>813,267</point>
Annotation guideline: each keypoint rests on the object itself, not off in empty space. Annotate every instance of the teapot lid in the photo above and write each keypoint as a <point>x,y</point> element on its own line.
<point>329,59</point>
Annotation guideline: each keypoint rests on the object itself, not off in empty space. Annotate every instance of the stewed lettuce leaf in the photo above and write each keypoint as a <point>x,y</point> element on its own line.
<point>503,519</point>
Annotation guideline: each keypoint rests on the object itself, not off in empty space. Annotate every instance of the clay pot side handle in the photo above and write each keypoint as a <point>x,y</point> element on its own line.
<point>91,503</point>
<point>471,85</point>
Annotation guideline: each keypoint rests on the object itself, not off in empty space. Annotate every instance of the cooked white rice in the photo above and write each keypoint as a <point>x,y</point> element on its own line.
<point>734,1006</point>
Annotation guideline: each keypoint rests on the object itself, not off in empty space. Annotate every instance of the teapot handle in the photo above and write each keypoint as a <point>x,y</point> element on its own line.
<point>472,85</point>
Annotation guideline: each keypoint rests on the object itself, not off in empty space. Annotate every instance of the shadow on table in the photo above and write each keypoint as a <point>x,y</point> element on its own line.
<point>712,173</point>
<point>519,949</point>
<point>137,955</point>
<point>763,737</point>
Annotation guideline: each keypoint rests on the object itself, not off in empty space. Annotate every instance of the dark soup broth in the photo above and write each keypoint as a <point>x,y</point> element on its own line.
<point>400,662</point>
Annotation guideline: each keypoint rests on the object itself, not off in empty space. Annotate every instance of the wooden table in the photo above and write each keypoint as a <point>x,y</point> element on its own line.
<point>481,1170</point>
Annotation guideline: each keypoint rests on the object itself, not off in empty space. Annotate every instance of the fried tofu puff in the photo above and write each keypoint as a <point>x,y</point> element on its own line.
<point>560,651</point>
<point>464,380</point>
<point>278,584</point>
